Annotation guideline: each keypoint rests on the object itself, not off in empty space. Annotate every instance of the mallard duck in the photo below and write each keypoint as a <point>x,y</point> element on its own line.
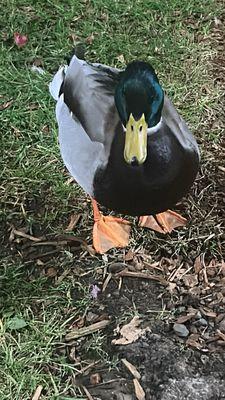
<point>125,144</point>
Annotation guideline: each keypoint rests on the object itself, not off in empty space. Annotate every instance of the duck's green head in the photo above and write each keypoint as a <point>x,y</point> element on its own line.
<point>139,101</point>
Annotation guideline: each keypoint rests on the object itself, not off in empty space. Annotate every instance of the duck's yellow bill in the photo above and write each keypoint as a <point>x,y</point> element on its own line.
<point>135,150</point>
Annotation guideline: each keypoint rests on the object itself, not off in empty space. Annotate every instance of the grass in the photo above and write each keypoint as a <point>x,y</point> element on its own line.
<point>174,37</point>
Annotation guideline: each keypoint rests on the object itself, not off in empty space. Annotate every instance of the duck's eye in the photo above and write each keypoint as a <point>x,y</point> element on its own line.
<point>132,128</point>
<point>140,129</point>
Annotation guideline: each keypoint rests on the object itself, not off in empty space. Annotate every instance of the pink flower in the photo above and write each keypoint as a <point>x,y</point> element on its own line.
<point>19,39</point>
<point>94,291</point>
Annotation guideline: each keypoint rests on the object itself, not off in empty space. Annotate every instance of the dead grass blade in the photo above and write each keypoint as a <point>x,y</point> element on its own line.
<point>106,282</point>
<point>37,393</point>
<point>88,394</point>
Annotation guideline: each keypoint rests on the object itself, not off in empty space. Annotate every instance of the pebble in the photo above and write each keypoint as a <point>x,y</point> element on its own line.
<point>116,267</point>
<point>180,330</point>
<point>201,322</point>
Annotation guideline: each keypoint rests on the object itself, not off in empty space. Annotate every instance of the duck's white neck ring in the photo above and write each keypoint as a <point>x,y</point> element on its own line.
<point>153,129</point>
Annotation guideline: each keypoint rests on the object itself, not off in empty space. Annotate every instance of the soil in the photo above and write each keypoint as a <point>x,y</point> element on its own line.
<point>168,369</point>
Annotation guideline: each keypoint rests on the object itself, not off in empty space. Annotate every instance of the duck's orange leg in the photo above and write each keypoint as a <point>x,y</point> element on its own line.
<point>164,222</point>
<point>109,231</point>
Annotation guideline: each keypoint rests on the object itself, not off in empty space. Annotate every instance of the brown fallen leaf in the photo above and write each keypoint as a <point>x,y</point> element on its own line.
<point>95,379</point>
<point>139,391</point>
<point>133,370</point>
<point>51,272</point>
<point>208,313</point>
<point>130,332</point>
<point>129,255</point>
<point>190,280</point>
<point>185,318</point>
<point>193,343</point>
<point>37,393</point>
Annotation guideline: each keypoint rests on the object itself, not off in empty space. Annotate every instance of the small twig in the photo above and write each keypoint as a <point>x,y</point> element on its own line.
<point>204,272</point>
<point>84,369</point>
<point>174,273</point>
<point>88,394</point>
<point>111,381</point>
<point>185,273</point>
<point>37,256</point>
<point>152,266</point>
<point>120,283</point>
<point>37,393</point>
<point>142,275</point>
<point>52,243</point>
<point>106,282</point>
<point>87,330</point>
<point>221,168</point>
<point>26,236</point>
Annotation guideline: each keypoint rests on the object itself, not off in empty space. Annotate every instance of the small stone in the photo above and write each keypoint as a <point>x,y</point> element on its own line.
<point>198,315</point>
<point>201,322</point>
<point>222,325</point>
<point>180,330</point>
<point>116,267</point>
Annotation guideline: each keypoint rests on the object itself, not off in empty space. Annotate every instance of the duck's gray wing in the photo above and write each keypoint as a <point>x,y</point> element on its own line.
<point>179,127</point>
<point>89,94</point>
<point>86,117</point>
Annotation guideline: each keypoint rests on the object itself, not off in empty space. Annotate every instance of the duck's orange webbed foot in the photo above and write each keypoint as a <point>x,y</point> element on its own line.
<point>164,222</point>
<point>108,231</point>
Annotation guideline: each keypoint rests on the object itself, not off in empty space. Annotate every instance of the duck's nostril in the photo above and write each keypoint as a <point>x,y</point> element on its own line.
<point>134,161</point>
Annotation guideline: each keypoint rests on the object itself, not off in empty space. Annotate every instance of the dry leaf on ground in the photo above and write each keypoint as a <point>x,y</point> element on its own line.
<point>140,394</point>
<point>131,332</point>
